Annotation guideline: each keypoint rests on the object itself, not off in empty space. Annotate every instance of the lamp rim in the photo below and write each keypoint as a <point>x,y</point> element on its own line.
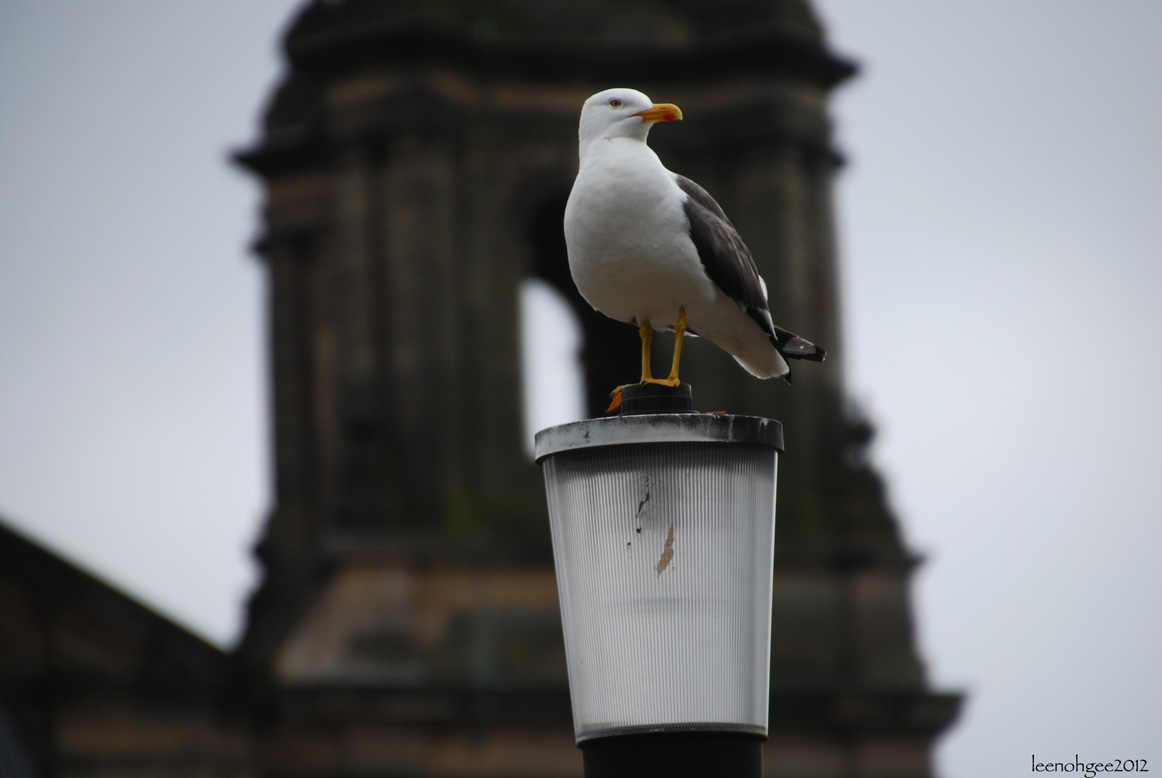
<point>658,428</point>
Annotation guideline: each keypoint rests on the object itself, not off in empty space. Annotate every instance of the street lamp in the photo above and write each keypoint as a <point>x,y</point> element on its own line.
<point>663,540</point>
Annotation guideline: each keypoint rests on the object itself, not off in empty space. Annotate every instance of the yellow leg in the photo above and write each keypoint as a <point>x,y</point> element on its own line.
<point>679,333</point>
<point>647,335</point>
<point>646,332</point>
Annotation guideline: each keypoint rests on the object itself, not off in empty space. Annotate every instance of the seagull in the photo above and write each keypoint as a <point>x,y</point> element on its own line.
<point>652,248</point>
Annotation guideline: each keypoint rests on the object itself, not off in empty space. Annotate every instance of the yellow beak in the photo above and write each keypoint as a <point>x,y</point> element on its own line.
<point>660,112</point>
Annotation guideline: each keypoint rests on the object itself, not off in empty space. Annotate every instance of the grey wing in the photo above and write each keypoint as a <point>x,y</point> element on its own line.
<point>731,267</point>
<point>726,258</point>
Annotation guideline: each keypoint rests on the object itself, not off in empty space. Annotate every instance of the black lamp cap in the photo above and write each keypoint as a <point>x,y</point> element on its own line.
<point>637,399</point>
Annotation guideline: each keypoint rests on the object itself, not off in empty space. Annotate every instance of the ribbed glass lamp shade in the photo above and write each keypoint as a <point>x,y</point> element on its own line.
<point>663,538</point>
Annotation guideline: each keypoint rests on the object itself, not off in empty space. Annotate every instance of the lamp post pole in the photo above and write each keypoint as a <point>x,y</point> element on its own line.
<point>663,542</point>
<point>680,754</point>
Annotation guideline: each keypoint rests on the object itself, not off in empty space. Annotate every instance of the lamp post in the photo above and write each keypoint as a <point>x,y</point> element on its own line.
<point>663,540</point>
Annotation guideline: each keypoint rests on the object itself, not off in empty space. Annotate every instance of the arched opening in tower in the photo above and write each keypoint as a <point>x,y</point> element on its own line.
<point>552,374</point>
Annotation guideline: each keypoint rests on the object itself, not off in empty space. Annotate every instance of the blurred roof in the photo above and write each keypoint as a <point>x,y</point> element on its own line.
<point>601,41</point>
<point>626,21</point>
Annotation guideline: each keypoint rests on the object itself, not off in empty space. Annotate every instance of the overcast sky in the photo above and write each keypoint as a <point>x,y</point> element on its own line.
<point>1001,228</point>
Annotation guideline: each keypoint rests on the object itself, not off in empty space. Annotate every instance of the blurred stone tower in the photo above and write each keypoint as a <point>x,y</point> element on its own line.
<point>415,159</point>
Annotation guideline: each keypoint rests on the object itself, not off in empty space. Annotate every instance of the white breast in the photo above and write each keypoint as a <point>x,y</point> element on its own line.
<point>630,253</point>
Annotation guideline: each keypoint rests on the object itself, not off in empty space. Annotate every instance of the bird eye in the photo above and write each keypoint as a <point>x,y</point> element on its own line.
<point>615,103</point>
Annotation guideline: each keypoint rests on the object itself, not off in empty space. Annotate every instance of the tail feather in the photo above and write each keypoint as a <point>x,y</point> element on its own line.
<point>787,345</point>
<point>792,346</point>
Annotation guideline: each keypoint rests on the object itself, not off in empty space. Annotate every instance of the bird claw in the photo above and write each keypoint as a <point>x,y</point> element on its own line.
<point>615,396</point>
<point>671,382</point>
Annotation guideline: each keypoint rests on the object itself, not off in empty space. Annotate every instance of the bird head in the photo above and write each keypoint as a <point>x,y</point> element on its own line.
<point>622,113</point>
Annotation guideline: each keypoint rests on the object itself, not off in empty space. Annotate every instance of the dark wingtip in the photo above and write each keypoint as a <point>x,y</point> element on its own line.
<point>816,354</point>
<point>792,346</point>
